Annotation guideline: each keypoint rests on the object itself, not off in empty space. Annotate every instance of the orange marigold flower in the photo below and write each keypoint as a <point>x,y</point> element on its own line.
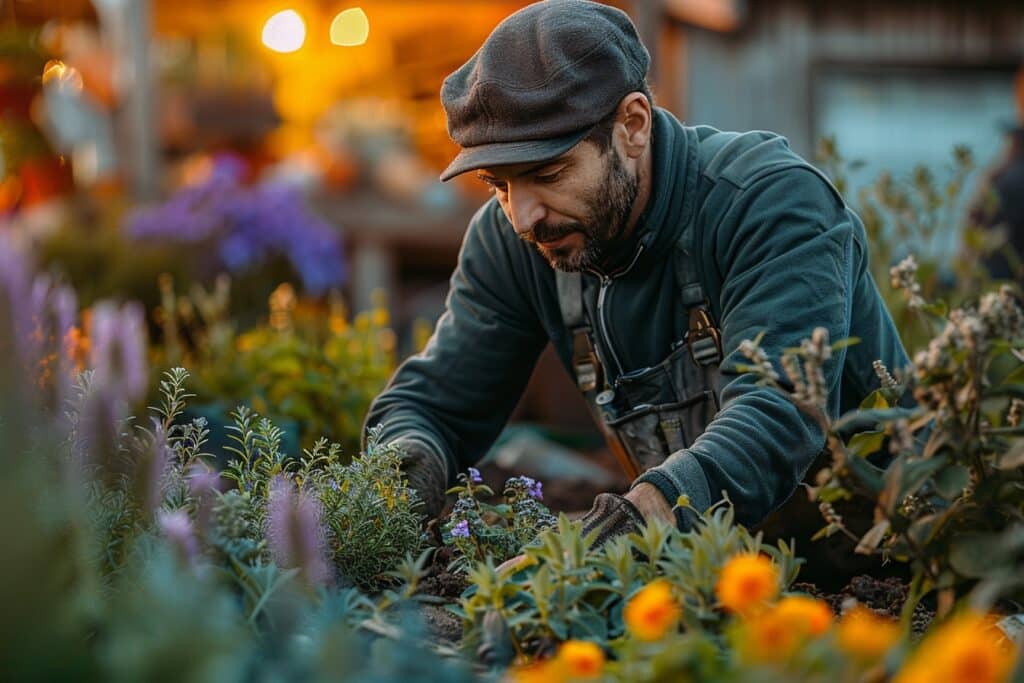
<point>747,582</point>
<point>652,611</point>
<point>808,615</point>
<point>580,659</point>
<point>866,636</point>
<point>767,637</point>
<point>547,671</point>
<point>966,649</point>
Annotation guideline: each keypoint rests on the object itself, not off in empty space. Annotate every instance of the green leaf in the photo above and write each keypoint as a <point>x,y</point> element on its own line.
<point>844,343</point>
<point>866,443</point>
<point>874,401</point>
<point>951,481</point>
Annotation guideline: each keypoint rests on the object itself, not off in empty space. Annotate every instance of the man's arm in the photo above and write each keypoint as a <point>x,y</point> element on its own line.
<point>447,404</point>
<point>784,253</point>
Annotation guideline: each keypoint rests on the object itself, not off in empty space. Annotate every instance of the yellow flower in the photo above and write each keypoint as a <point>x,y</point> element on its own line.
<point>966,649</point>
<point>807,615</point>
<point>380,317</point>
<point>579,659</point>
<point>747,582</point>
<point>866,636</point>
<point>652,611</point>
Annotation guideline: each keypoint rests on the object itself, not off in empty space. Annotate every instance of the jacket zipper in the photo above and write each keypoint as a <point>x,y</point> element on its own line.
<point>603,325</point>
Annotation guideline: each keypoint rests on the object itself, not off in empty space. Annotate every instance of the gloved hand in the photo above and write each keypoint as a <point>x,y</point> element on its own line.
<point>425,471</point>
<point>611,516</point>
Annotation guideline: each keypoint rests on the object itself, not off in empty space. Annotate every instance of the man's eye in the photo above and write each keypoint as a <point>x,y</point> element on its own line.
<point>496,185</point>
<point>549,178</point>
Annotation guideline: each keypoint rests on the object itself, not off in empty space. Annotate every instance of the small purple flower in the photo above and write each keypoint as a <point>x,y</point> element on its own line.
<point>535,492</point>
<point>294,530</point>
<point>334,485</point>
<point>118,349</point>
<point>474,475</point>
<point>461,530</point>
<point>177,528</point>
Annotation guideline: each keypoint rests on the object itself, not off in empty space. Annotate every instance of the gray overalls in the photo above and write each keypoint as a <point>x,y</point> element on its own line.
<point>648,414</point>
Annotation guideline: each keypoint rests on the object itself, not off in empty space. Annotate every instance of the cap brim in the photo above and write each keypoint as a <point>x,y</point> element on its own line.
<point>507,153</point>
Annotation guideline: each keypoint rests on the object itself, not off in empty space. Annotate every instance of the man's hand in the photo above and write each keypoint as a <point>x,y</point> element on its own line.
<point>617,515</point>
<point>651,504</point>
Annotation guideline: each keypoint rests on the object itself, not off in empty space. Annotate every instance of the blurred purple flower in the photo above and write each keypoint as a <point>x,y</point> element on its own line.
<point>153,468</point>
<point>294,530</point>
<point>535,491</point>
<point>15,293</point>
<point>461,530</point>
<point>203,485</point>
<point>248,226</point>
<point>176,527</point>
<point>474,475</point>
<point>118,349</point>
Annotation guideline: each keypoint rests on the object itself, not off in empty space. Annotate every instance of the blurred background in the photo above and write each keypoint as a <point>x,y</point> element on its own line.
<point>262,175</point>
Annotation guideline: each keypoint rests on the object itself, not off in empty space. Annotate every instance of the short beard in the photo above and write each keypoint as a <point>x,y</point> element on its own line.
<point>610,205</point>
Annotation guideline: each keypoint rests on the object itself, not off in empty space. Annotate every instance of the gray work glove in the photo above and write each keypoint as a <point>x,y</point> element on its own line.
<point>425,471</point>
<point>611,516</point>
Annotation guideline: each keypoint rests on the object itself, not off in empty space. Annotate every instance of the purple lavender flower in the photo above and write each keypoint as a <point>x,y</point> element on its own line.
<point>203,484</point>
<point>15,313</point>
<point>474,475</point>
<point>118,349</point>
<point>177,528</point>
<point>535,490</point>
<point>461,530</point>
<point>154,468</point>
<point>294,531</point>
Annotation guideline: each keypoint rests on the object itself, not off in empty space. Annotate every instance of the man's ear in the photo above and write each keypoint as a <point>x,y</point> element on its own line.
<point>635,117</point>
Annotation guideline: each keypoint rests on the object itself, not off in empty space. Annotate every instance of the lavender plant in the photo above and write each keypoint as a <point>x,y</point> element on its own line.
<point>479,530</point>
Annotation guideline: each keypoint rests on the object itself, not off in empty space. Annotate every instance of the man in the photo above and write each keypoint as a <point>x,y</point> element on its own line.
<point>645,251</point>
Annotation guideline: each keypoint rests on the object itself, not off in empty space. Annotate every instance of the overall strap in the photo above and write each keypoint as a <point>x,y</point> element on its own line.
<point>703,336</point>
<point>584,357</point>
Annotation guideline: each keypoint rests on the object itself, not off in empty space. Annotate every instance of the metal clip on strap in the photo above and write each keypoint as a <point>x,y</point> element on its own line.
<point>584,361</point>
<point>703,338</point>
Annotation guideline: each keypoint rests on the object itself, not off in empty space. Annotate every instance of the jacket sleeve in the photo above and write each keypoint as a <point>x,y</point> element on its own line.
<point>452,399</point>
<point>782,250</point>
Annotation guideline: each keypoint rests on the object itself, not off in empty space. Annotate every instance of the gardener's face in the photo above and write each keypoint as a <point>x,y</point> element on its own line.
<point>575,209</point>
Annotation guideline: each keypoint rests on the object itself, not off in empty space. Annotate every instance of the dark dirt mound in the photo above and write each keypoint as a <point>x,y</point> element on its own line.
<point>885,596</point>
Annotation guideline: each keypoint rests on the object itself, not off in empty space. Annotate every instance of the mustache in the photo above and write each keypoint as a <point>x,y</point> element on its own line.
<point>543,232</point>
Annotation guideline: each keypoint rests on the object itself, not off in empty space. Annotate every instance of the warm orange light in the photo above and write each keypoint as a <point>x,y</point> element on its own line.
<point>284,32</point>
<point>58,74</point>
<point>350,28</point>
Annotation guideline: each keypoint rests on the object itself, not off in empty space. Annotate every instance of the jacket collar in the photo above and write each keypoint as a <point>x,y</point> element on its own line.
<point>673,190</point>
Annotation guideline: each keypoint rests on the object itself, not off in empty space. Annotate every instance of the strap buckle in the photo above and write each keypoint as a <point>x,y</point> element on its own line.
<point>584,361</point>
<point>703,338</point>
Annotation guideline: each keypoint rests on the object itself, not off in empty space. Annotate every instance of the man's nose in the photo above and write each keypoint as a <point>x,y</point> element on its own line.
<point>525,209</point>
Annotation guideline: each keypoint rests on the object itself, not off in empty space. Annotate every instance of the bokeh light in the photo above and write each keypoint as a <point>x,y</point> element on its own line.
<point>350,28</point>
<point>284,32</point>
<point>58,74</point>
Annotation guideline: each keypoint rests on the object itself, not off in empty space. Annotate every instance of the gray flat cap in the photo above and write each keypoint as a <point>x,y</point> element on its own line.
<point>540,82</point>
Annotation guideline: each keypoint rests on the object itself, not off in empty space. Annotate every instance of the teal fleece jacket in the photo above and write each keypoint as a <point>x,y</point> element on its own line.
<point>779,253</point>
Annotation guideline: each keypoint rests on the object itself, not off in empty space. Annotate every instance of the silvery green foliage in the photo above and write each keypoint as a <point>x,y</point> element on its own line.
<point>566,589</point>
<point>369,511</point>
